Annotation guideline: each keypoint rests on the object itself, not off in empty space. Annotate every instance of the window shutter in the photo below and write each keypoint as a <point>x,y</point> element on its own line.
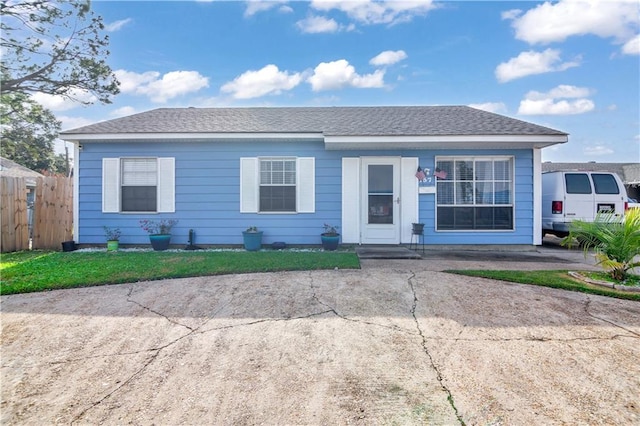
<point>166,185</point>
<point>409,196</point>
<point>306,185</point>
<point>350,228</point>
<point>249,188</point>
<point>110,185</point>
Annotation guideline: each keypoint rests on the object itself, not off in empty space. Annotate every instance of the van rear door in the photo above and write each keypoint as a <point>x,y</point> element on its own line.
<point>579,198</point>
<point>607,194</point>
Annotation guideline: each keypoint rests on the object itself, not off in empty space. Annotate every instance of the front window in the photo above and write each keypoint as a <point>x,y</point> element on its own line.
<point>139,184</point>
<point>474,193</point>
<point>278,185</point>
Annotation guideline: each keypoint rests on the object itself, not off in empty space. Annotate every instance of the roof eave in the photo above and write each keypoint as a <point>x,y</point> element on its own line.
<point>442,142</point>
<point>343,142</point>
<point>203,136</point>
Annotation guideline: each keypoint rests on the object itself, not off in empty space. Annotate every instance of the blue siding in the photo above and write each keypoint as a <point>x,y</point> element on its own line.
<point>208,193</point>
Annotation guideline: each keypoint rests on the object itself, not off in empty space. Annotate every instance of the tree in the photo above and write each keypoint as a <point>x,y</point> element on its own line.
<point>28,132</point>
<point>61,165</point>
<point>57,48</point>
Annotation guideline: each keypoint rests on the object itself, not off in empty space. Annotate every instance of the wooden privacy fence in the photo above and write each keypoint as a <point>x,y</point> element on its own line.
<point>14,225</point>
<point>52,213</point>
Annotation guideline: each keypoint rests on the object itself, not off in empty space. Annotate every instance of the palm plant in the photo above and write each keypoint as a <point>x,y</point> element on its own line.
<point>616,242</point>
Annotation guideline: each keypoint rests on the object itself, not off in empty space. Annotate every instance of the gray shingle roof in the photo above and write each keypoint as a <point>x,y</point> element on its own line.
<point>12,169</point>
<point>330,121</point>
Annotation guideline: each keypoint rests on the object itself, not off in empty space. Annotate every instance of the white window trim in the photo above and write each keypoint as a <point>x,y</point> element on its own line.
<point>250,184</point>
<point>112,185</point>
<point>474,158</point>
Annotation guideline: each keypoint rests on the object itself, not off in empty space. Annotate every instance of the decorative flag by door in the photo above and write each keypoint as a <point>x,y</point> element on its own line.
<point>420,174</point>
<point>440,174</point>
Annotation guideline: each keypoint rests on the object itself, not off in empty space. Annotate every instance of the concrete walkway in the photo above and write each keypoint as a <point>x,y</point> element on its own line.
<point>398,342</point>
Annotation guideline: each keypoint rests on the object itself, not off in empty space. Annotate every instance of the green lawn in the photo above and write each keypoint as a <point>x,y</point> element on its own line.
<point>25,272</point>
<point>555,279</point>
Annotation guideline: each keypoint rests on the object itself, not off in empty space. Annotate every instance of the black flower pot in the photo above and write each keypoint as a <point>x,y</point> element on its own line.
<point>68,246</point>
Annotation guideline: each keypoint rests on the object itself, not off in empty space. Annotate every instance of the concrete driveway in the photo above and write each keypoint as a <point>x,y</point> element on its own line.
<point>398,342</point>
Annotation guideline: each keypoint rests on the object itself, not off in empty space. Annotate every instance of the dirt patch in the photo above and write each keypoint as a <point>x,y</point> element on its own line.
<point>387,345</point>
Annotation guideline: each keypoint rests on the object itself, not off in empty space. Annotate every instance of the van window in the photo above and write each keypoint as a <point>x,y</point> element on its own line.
<point>605,183</point>
<point>577,183</point>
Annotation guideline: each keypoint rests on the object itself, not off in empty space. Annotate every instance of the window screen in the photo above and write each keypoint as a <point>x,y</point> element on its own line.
<point>278,185</point>
<point>474,193</point>
<point>139,185</point>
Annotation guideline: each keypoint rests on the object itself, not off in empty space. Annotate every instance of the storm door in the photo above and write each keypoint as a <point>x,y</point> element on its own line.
<point>381,200</point>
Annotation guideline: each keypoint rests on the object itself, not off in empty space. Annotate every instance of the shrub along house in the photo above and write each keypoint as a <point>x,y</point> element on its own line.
<point>472,177</point>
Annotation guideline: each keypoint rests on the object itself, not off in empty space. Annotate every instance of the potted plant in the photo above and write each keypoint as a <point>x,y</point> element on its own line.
<point>159,232</point>
<point>252,239</point>
<point>330,237</point>
<point>113,238</point>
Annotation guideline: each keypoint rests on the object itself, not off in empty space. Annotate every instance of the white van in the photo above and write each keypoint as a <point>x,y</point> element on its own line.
<point>577,195</point>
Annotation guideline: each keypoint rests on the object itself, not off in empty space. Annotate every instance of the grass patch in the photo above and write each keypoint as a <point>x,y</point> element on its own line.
<point>25,272</point>
<point>554,279</point>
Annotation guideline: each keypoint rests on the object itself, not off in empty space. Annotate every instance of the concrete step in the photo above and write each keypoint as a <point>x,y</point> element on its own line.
<point>386,252</point>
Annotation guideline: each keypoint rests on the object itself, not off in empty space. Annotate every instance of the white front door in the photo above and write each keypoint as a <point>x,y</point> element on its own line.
<point>380,212</point>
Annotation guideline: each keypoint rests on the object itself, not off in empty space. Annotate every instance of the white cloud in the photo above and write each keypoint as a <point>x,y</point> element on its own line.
<point>256,6</point>
<point>169,86</point>
<point>562,91</point>
<point>69,123</point>
<point>268,80</point>
<point>532,62</point>
<point>117,25</point>
<point>64,103</point>
<point>555,22</point>
<point>377,12</point>
<point>497,107</point>
<point>632,47</point>
<point>123,111</point>
<point>598,150</point>
<point>338,74</point>
<point>555,101</point>
<point>130,81</point>
<point>318,24</point>
<point>511,14</point>
<point>388,57</point>
<point>552,107</point>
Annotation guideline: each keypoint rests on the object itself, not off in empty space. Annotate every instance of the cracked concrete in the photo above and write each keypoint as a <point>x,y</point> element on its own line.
<point>398,342</point>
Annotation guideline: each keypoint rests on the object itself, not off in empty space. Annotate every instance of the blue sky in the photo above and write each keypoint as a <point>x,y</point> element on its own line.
<point>570,65</point>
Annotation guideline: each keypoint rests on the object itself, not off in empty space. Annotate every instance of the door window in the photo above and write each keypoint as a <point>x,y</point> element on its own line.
<point>380,196</point>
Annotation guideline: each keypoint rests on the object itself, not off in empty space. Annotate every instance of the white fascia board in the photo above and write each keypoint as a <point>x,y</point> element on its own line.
<point>188,136</point>
<point>442,142</point>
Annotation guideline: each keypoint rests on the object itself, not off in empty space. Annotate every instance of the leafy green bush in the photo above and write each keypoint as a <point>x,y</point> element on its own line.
<point>616,242</point>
